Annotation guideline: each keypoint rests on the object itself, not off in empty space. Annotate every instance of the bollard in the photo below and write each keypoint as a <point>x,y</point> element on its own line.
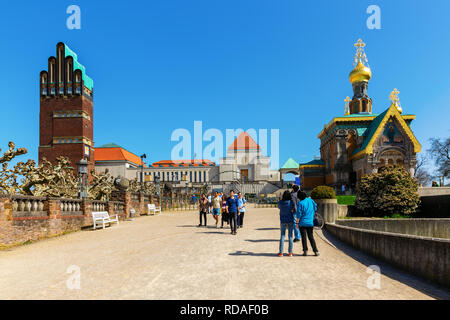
<point>328,208</point>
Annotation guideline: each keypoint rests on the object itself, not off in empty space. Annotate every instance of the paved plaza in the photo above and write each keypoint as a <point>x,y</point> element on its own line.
<point>169,257</point>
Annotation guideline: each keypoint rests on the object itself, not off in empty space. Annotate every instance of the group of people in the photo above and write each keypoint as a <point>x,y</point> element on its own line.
<point>231,208</point>
<point>297,213</point>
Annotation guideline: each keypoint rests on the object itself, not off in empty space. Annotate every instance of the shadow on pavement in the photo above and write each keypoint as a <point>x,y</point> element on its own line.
<point>267,229</point>
<point>263,240</point>
<point>255,254</point>
<point>214,232</point>
<point>388,270</point>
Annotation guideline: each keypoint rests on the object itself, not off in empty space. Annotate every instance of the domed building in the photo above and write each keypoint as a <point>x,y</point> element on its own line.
<point>360,141</point>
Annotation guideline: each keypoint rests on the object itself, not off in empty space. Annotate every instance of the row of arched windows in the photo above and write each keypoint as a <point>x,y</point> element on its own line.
<point>61,79</point>
<point>171,176</point>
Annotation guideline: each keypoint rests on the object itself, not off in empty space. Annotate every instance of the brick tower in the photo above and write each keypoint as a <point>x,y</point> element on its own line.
<point>66,110</point>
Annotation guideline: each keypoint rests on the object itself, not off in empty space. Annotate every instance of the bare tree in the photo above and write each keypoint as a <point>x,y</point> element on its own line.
<point>421,173</point>
<point>439,152</point>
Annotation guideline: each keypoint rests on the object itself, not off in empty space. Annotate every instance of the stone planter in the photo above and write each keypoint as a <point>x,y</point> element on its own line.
<point>328,208</point>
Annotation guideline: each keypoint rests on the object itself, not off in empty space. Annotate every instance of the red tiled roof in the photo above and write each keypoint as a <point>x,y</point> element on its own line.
<point>184,163</point>
<point>116,154</point>
<point>244,142</point>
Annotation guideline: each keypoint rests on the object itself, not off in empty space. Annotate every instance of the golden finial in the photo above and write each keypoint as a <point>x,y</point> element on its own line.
<point>359,44</point>
<point>347,105</point>
<point>362,72</point>
<point>395,101</point>
<point>360,55</point>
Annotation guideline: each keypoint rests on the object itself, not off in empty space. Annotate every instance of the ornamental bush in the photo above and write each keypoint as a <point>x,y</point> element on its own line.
<point>390,191</point>
<point>323,192</point>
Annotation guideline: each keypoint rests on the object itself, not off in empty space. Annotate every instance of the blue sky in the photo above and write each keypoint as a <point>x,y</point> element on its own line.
<point>159,65</point>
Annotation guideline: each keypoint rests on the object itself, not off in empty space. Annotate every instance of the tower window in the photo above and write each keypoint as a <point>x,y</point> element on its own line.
<point>44,91</point>
<point>52,91</point>
<point>69,90</point>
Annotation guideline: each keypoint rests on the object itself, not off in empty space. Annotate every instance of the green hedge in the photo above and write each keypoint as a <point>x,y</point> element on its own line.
<point>390,191</point>
<point>323,192</point>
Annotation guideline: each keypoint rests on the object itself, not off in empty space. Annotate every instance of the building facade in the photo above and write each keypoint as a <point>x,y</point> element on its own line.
<point>66,110</point>
<point>245,161</point>
<point>117,160</point>
<point>244,168</point>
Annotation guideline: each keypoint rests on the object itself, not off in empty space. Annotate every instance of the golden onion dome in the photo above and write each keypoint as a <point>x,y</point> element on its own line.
<point>361,73</point>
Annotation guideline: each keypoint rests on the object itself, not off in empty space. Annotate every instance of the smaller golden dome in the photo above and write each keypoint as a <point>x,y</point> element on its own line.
<point>361,73</point>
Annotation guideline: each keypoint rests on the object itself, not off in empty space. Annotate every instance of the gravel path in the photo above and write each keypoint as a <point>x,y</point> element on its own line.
<point>169,257</point>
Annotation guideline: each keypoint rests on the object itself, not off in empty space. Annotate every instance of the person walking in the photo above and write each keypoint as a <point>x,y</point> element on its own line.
<point>225,215</point>
<point>203,206</point>
<point>241,206</point>
<point>232,209</point>
<point>216,205</point>
<point>294,198</point>
<point>306,209</point>
<point>286,222</point>
<point>210,203</point>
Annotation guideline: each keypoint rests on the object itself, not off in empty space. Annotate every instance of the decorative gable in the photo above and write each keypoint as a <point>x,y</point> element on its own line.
<point>391,128</point>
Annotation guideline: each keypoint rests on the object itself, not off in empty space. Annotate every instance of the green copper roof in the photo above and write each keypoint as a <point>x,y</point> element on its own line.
<point>110,145</point>
<point>356,115</point>
<point>290,164</point>
<point>361,131</point>
<point>371,131</point>
<point>313,162</point>
<point>88,82</point>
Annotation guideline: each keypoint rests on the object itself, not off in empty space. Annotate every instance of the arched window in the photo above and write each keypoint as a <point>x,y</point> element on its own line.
<point>60,64</point>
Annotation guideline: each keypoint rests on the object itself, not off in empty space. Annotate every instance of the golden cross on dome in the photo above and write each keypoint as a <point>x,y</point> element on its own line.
<point>347,107</point>
<point>394,97</point>
<point>359,44</point>
<point>360,56</point>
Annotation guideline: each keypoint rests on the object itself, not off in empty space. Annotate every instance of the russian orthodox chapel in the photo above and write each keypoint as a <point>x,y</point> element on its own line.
<point>360,141</point>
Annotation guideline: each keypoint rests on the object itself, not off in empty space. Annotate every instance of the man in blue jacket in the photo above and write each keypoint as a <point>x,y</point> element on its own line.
<point>306,209</point>
<point>232,209</point>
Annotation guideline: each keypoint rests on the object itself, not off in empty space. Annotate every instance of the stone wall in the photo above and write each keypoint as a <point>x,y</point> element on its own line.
<point>433,191</point>
<point>25,218</point>
<point>434,206</point>
<point>433,228</point>
<point>423,256</point>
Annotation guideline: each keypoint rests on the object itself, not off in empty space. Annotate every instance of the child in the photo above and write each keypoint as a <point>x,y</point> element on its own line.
<point>286,222</point>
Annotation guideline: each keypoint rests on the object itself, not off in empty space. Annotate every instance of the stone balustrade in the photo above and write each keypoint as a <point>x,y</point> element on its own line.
<point>119,207</point>
<point>24,204</point>
<point>70,205</point>
<point>28,218</point>
<point>99,206</point>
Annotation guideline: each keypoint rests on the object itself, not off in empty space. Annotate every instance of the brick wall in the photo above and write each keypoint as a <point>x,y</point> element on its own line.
<point>25,218</point>
<point>50,127</point>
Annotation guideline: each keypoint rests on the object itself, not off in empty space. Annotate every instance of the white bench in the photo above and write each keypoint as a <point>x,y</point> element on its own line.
<point>152,208</point>
<point>102,218</point>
